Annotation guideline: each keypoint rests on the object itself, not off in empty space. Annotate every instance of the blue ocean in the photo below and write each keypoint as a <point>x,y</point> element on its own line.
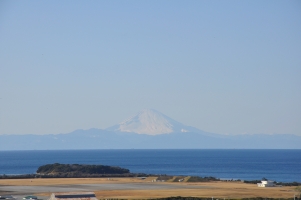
<point>277,165</point>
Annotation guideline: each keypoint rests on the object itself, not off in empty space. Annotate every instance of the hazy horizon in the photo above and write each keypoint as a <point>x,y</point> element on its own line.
<point>226,67</point>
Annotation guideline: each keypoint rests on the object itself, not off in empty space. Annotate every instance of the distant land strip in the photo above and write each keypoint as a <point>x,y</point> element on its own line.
<point>58,170</point>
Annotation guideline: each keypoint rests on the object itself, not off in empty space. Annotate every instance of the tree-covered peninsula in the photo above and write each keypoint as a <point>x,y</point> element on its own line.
<point>77,169</point>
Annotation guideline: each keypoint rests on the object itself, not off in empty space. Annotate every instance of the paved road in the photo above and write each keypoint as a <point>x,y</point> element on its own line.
<point>20,191</point>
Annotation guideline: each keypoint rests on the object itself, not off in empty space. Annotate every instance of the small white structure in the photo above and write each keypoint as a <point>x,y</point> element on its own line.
<point>266,184</point>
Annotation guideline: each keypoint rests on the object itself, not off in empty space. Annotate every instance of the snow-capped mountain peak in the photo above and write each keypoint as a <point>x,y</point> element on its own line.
<point>151,122</point>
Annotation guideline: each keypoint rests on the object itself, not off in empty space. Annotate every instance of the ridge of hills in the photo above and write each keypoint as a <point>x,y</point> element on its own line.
<point>149,129</point>
<point>103,139</point>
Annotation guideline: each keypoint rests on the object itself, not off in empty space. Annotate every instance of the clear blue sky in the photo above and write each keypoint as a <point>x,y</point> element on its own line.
<point>229,67</point>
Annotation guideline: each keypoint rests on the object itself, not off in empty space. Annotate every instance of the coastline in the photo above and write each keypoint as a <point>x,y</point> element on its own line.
<point>277,165</point>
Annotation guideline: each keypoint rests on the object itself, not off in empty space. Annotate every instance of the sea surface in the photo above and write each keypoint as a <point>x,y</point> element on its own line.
<point>277,165</point>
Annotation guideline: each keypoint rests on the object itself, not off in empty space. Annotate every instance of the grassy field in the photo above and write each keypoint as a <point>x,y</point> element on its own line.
<point>220,190</point>
<point>234,190</point>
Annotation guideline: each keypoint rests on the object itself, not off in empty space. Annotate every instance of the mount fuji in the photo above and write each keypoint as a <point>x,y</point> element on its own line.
<point>149,129</point>
<point>151,122</point>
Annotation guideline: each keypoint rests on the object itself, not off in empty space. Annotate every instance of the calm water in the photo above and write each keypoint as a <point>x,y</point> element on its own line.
<point>279,165</point>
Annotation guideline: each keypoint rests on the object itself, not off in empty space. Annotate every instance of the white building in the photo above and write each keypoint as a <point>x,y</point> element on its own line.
<point>266,184</point>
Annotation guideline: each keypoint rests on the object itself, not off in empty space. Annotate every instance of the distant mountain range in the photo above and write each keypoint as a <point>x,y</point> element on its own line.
<point>149,129</point>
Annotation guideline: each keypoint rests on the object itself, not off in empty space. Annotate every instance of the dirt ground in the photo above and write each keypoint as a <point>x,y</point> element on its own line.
<point>162,189</point>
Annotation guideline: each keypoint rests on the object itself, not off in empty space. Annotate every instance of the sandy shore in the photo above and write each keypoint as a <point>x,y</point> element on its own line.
<point>134,188</point>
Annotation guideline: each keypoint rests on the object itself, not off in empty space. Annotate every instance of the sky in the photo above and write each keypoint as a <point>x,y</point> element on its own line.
<point>228,67</point>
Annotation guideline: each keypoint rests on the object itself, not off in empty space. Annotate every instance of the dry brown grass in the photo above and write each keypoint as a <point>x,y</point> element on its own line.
<point>213,189</point>
<point>217,193</point>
